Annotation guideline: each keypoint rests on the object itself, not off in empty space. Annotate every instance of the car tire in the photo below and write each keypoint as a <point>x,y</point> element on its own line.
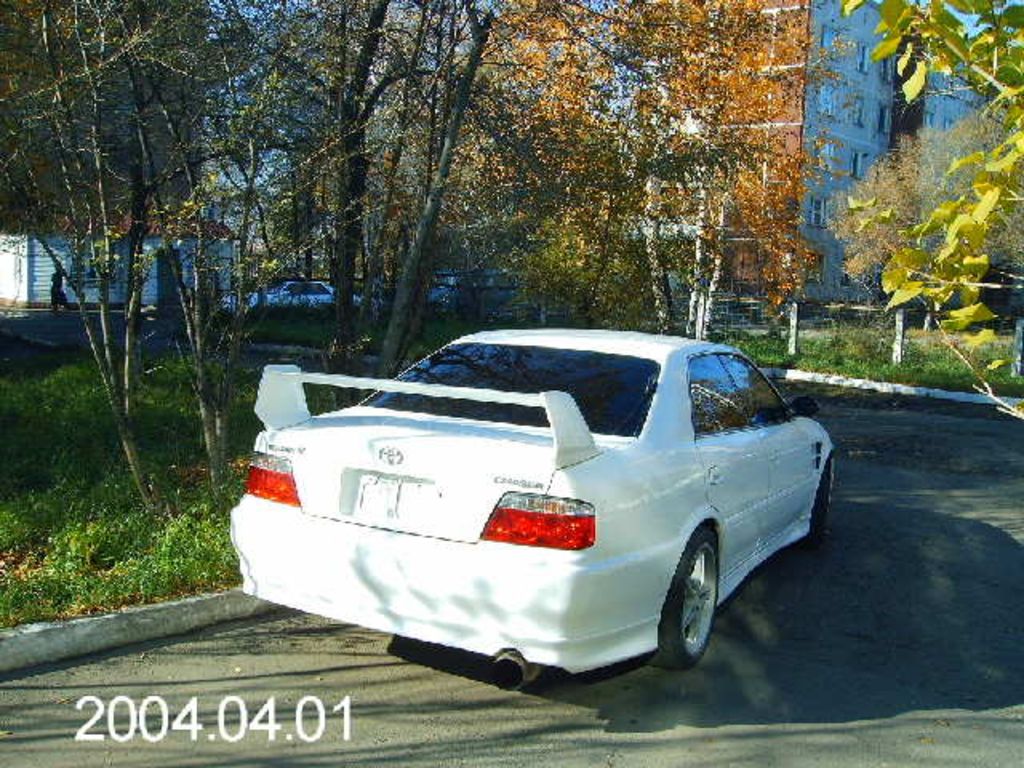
<point>821,508</point>
<point>688,615</point>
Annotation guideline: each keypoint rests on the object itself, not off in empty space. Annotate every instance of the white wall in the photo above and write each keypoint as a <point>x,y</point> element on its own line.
<point>13,269</point>
<point>41,267</point>
<point>41,263</point>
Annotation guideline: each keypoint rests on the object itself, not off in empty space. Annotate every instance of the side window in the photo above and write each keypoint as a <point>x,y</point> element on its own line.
<point>756,398</point>
<point>713,397</point>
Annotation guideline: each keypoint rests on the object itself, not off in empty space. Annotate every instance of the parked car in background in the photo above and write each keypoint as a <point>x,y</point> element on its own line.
<point>292,293</point>
<point>547,497</point>
<point>473,294</point>
<point>443,296</point>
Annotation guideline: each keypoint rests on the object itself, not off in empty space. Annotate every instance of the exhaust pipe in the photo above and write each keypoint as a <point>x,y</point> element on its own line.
<point>510,671</point>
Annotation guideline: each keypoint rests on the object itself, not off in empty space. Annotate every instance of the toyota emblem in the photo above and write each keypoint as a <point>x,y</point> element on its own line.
<point>390,455</point>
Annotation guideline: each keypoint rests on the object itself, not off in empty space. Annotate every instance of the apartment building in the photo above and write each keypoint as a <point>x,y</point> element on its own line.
<point>854,113</point>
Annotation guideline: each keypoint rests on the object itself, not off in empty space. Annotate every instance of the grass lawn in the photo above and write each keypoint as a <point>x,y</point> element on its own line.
<point>866,353</point>
<point>73,537</point>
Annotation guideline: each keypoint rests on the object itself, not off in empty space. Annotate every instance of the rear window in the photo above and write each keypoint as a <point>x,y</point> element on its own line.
<point>613,391</point>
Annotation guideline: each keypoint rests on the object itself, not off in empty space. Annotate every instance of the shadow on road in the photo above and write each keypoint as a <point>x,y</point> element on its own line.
<point>905,609</point>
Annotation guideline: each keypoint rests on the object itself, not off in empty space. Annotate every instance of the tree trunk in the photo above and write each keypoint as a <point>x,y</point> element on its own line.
<point>659,276</point>
<point>90,223</point>
<point>697,286</point>
<point>397,337</point>
<point>373,277</point>
<point>348,233</point>
<point>718,258</point>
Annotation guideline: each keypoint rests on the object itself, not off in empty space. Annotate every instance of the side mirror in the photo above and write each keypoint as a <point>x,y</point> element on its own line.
<point>803,406</point>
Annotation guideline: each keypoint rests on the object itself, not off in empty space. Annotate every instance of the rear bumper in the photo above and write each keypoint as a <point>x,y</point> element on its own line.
<point>553,607</point>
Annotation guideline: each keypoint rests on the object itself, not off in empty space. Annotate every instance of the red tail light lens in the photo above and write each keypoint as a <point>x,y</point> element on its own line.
<point>534,520</point>
<point>270,477</point>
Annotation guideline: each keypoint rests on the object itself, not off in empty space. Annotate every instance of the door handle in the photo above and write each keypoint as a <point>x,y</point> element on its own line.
<point>714,476</point>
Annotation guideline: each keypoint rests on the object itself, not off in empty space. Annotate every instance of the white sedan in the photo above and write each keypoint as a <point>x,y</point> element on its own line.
<point>292,293</point>
<point>563,498</point>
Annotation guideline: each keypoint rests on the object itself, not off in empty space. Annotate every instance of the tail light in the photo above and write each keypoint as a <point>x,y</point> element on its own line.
<point>534,520</point>
<point>270,477</point>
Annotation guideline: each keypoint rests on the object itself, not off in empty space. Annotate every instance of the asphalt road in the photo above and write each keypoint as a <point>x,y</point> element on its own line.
<point>900,643</point>
<point>64,329</point>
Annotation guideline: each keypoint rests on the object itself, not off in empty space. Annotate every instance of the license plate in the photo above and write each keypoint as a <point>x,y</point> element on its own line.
<point>378,499</point>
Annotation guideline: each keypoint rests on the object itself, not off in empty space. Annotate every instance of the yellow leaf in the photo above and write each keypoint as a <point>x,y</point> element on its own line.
<point>987,203</point>
<point>859,205</point>
<point>912,85</point>
<point>1005,163</point>
<point>892,279</point>
<point>886,48</point>
<point>906,292</point>
<point>904,60</point>
<point>984,336</point>
<point>962,318</point>
<point>960,162</point>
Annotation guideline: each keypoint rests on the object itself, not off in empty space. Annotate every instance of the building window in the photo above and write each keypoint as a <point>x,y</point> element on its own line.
<point>883,119</point>
<point>859,164</point>
<point>929,118</point>
<point>885,70</point>
<point>816,268</point>
<point>862,57</point>
<point>858,112</point>
<point>947,123</point>
<point>819,212</point>
<point>827,100</point>
<point>828,156</point>
<point>828,37</point>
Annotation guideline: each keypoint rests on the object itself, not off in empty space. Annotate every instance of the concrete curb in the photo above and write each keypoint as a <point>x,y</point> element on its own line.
<point>792,374</point>
<point>285,349</point>
<point>47,642</point>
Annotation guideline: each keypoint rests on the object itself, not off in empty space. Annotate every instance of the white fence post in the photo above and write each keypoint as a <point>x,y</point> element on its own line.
<point>794,328</point>
<point>901,337</point>
<point>1017,369</point>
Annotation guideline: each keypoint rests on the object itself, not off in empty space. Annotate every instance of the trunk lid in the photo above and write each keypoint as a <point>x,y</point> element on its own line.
<point>413,473</point>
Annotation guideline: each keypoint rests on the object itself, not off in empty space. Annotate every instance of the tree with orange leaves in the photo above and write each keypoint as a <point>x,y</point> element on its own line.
<point>642,139</point>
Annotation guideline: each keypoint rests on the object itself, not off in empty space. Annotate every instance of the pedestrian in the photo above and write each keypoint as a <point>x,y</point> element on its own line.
<point>58,298</point>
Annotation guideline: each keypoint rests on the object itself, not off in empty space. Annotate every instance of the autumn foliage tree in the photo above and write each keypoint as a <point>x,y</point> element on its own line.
<point>642,140</point>
<point>908,183</point>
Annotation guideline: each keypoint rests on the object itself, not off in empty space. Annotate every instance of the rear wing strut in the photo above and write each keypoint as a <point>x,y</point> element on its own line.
<point>281,402</point>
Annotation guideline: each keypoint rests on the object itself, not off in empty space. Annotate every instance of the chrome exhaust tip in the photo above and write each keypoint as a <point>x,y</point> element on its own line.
<point>510,671</point>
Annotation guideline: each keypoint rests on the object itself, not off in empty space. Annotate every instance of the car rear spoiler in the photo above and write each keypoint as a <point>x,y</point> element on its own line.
<point>281,402</point>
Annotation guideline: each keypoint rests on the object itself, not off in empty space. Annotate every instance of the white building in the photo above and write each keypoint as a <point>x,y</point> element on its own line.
<point>27,269</point>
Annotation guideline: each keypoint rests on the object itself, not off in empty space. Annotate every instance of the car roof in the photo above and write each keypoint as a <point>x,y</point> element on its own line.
<point>647,345</point>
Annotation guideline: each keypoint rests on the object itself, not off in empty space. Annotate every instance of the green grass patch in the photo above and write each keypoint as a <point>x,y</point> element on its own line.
<point>866,353</point>
<point>295,326</point>
<point>74,538</point>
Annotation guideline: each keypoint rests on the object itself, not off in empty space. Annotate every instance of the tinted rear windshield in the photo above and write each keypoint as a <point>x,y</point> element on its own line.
<point>613,391</point>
